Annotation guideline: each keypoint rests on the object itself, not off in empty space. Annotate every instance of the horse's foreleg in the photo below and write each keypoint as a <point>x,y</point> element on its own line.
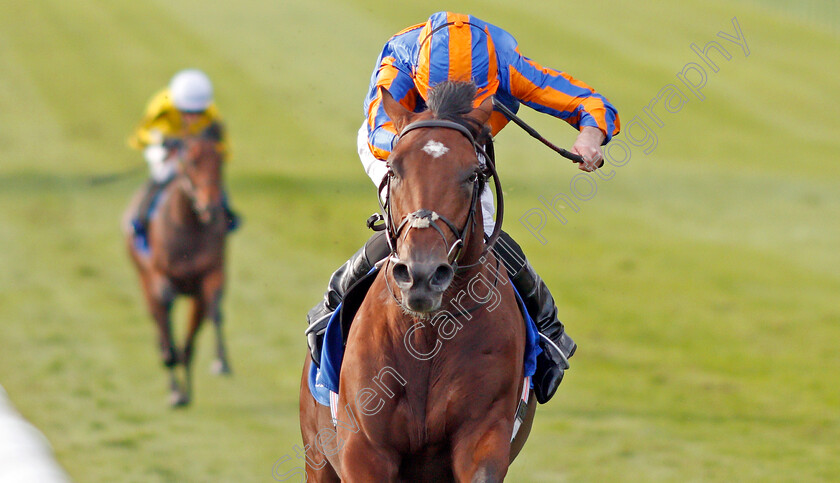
<point>482,454</point>
<point>177,395</point>
<point>160,295</point>
<point>212,293</point>
<point>196,318</point>
<point>362,461</point>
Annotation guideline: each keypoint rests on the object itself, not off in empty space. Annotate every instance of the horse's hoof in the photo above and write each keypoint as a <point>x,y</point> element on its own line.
<point>220,368</point>
<point>178,400</point>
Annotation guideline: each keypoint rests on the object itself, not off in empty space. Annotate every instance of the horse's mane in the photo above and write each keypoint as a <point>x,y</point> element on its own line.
<point>452,101</point>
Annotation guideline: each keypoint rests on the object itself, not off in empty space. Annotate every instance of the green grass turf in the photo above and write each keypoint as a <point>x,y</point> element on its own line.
<point>701,281</point>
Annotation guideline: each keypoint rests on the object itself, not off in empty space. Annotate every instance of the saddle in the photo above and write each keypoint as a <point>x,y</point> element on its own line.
<point>324,378</point>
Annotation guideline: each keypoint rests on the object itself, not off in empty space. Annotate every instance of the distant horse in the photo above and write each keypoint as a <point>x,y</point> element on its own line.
<point>186,247</point>
<point>417,402</point>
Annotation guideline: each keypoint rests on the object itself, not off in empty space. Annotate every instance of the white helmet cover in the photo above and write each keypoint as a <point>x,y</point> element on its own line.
<point>191,90</point>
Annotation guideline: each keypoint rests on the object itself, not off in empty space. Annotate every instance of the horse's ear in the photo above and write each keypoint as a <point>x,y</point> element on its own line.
<point>398,114</point>
<point>481,114</point>
<point>213,132</point>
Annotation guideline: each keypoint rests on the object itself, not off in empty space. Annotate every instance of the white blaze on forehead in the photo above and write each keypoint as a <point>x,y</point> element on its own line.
<point>435,149</point>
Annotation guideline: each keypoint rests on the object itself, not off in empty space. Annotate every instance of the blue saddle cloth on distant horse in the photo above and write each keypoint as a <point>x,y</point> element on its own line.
<point>141,233</point>
<point>325,379</point>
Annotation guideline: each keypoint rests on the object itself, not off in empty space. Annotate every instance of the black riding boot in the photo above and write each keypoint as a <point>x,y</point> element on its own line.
<point>140,221</point>
<point>232,218</point>
<point>375,249</point>
<point>557,347</point>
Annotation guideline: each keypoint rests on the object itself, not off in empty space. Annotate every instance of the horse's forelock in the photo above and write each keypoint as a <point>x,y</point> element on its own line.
<point>452,101</point>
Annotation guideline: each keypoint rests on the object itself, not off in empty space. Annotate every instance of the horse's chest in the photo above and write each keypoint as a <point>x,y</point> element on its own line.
<point>187,256</point>
<point>437,411</point>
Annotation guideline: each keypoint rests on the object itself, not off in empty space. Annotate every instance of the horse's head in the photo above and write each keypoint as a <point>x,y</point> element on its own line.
<point>200,170</point>
<point>434,182</point>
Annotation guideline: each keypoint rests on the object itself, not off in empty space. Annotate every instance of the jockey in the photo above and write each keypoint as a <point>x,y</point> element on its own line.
<point>456,47</point>
<point>184,108</point>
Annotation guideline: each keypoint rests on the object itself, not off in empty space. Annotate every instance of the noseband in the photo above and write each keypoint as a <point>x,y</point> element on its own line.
<point>425,218</point>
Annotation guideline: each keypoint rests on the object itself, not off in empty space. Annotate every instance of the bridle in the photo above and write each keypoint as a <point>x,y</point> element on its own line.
<point>425,218</point>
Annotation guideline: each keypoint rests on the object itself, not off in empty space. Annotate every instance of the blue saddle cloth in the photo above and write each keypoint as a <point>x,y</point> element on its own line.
<point>141,233</point>
<point>325,379</point>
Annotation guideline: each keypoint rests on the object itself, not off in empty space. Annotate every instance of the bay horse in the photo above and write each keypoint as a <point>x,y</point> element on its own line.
<point>447,415</point>
<point>185,256</point>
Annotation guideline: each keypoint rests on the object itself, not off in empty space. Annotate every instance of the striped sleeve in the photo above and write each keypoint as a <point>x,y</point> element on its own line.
<point>560,95</point>
<point>381,131</point>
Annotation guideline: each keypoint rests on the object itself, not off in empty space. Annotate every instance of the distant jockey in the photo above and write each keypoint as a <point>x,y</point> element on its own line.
<point>184,108</point>
<point>456,47</point>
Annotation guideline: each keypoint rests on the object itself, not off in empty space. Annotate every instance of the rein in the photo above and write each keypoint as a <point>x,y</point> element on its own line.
<point>424,218</point>
<point>575,158</point>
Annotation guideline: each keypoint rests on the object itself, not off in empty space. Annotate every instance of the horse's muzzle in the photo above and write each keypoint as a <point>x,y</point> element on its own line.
<point>209,213</point>
<point>422,283</point>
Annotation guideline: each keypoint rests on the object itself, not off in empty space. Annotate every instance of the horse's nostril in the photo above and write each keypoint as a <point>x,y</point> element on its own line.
<point>401,274</point>
<point>442,276</point>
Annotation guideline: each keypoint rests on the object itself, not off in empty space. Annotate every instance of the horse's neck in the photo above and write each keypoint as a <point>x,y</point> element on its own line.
<point>178,208</point>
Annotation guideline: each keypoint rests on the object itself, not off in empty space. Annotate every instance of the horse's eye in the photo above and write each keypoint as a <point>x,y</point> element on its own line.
<point>393,175</point>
